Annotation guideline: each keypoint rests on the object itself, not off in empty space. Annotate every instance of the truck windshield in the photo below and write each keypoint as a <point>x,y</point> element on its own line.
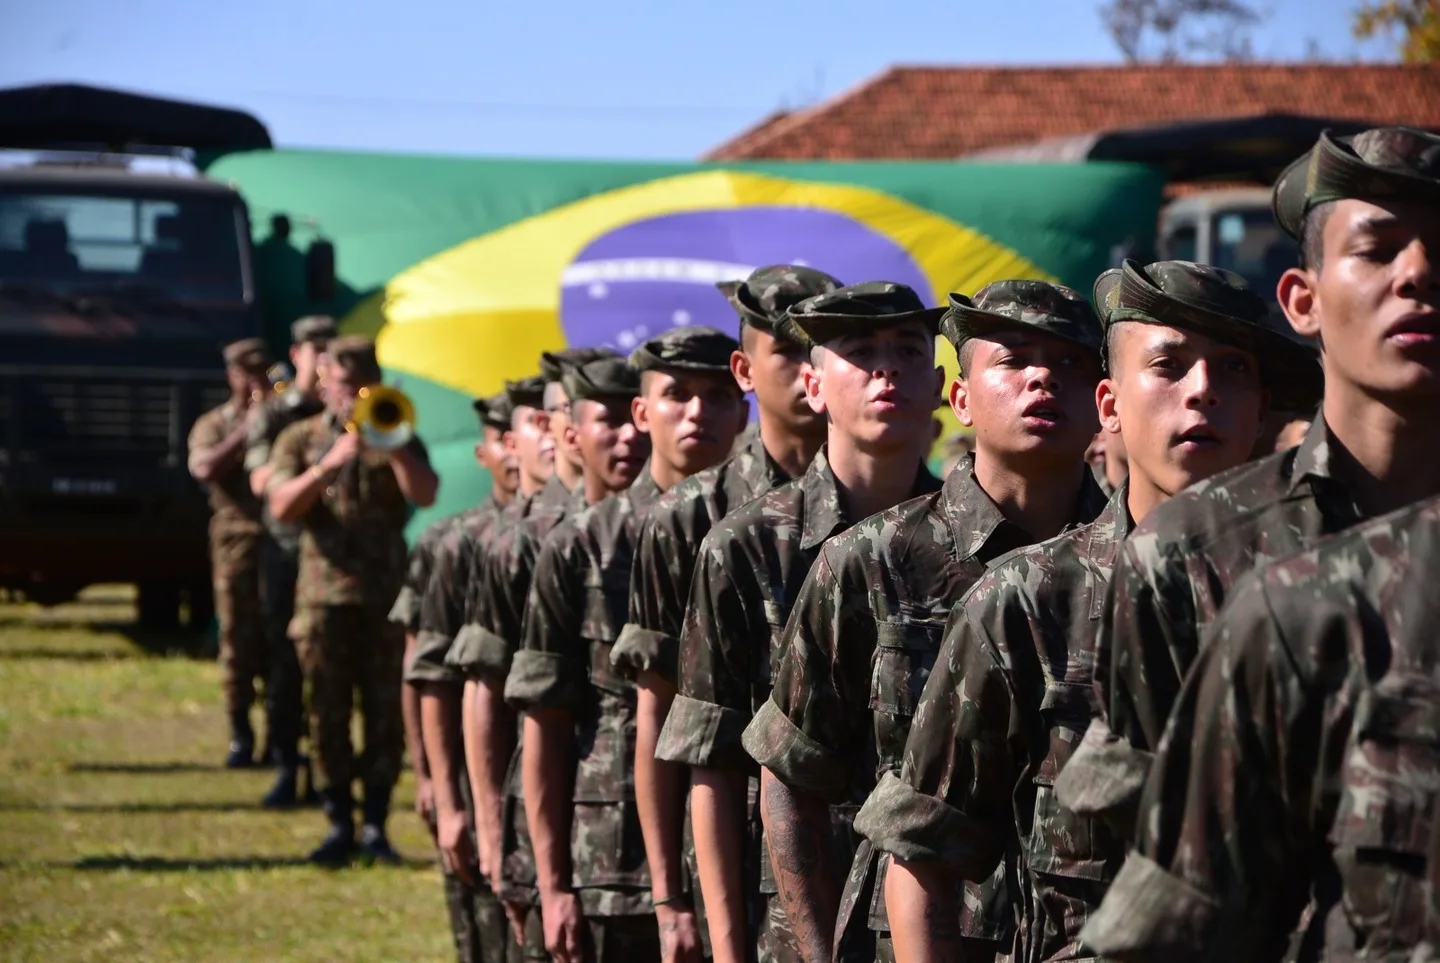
<point>1251,244</point>
<point>167,248</point>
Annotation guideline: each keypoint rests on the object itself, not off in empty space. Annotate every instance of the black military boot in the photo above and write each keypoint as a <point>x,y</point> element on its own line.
<point>337,846</point>
<point>283,794</point>
<point>242,742</point>
<point>374,846</point>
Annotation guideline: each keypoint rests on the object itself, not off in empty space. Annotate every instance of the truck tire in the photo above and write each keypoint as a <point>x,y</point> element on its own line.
<point>158,605</point>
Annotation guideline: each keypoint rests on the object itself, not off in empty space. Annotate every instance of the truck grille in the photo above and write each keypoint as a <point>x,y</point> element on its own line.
<point>90,416</point>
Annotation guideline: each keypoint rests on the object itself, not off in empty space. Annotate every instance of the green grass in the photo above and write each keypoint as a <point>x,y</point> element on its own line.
<point>122,838</point>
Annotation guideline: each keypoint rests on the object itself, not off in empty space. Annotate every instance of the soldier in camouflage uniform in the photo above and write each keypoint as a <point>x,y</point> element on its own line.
<point>1367,213</point>
<point>485,645</point>
<point>866,625</point>
<point>217,451</point>
<point>871,372</point>
<point>668,541</point>
<point>691,408</point>
<point>1296,784</point>
<point>351,503</point>
<point>572,702</point>
<point>1015,669</point>
<point>477,922</point>
<point>279,550</point>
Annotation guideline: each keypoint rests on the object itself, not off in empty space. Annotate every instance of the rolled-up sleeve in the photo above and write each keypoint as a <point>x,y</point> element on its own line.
<point>708,717</point>
<point>659,587</point>
<point>953,798</point>
<point>552,669</point>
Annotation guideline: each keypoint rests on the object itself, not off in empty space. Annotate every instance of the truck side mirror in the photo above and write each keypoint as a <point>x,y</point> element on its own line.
<point>320,271</point>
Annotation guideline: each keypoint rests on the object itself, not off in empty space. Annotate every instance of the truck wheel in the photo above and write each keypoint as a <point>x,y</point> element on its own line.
<point>158,605</point>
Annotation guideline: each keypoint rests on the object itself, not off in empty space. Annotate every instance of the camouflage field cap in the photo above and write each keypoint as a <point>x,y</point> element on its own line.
<point>1385,163</point>
<point>762,299</point>
<point>1220,305</point>
<point>1022,305</point>
<point>527,392</point>
<point>603,379</point>
<point>249,353</point>
<point>318,328</point>
<point>856,309</point>
<point>355,354</point>
<point>554,363</point>
<point>693,347</point>
<point>495,411</point>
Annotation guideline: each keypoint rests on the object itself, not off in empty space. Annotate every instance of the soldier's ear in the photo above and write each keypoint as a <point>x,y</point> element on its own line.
<point>1107,406</point>
<point>814,377</point>
<point>741,369</point>
<point>960,402</point>
<point>640,413</point>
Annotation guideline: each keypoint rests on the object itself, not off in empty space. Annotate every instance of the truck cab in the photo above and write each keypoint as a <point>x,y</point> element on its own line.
<point>121,275</point>
<point>1232,229</point>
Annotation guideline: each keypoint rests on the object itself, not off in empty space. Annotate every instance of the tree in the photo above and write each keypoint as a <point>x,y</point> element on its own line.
<point>1181,29</point>
<point>1417,20</point>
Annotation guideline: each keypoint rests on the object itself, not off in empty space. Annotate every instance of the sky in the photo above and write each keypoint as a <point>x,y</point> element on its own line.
<point>641,79</point>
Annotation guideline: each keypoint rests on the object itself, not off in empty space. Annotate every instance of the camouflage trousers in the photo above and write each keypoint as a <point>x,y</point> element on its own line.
<point>235,569</point>
<point>774,940</point>
<point>344,648</point>
<point>284,690</point>
<point>621,939</point>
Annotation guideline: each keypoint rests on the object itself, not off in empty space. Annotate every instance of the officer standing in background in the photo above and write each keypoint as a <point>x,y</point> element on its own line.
<point>279,547</point>
<point>217,452</point>
<point>351,502</point>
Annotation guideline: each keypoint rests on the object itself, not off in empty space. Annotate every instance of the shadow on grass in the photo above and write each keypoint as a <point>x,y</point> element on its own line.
<point>145,768</point>
<point>160,864</point>
<point>172,643</point>
<point>137,808</point>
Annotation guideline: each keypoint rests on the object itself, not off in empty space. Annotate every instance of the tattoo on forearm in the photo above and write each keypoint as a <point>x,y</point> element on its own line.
<point>799,853</point>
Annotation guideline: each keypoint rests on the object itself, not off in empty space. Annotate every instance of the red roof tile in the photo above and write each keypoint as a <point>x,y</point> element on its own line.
<point>946,112</point>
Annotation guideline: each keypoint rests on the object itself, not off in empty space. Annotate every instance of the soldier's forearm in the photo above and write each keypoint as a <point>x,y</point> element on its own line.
<point>547,774</point>
<point>219,460</point>
<point>410,713</point>
<point>293,499</point>
<point>489,742</point>
<point>440,727</point>
<point>418,481</point>
<point>260,480</point>
<point>797,830</point>
<point>924,921</point>
<point>659,791</point>
<point>717,813</point>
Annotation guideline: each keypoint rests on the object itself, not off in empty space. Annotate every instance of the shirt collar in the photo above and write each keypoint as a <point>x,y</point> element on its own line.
<point>1312,458</point>
<point>824,515</point>
<point>643,490</point>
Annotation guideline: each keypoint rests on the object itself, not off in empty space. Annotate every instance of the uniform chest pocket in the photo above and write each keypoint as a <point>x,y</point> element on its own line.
<point>1384,828</point>
<point>607,591</point>
<point>905,653</point>
<point>1061,842</point>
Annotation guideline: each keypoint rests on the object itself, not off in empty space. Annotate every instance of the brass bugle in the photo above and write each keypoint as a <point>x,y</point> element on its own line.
<point>383,416</point>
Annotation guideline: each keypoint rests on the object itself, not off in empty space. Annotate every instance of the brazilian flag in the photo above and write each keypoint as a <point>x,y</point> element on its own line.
<point>464,270</point>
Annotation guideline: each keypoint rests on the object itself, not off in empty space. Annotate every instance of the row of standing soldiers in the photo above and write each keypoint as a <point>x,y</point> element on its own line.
<point>307,551</point>
<point>803,701</point>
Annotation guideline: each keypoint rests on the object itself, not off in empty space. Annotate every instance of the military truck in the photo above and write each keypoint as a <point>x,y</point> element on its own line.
<point>1231,228</point>
<point>122,271</point>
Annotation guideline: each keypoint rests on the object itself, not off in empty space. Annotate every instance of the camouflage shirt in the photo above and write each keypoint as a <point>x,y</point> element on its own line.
<point>352,543</point>
<point>1171,579</point>
<point>499,580</point>
<point>406,609</point>
<point>573,616</point>
<point>442,604</point>
<point>1008,701</point>
<point>1299,780</point>
<point>486,644</point>
<point>861,642</point>
<point>665,552</point>
<point>275,415</point>
<point>233,503</point>
<point>747,577</point>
